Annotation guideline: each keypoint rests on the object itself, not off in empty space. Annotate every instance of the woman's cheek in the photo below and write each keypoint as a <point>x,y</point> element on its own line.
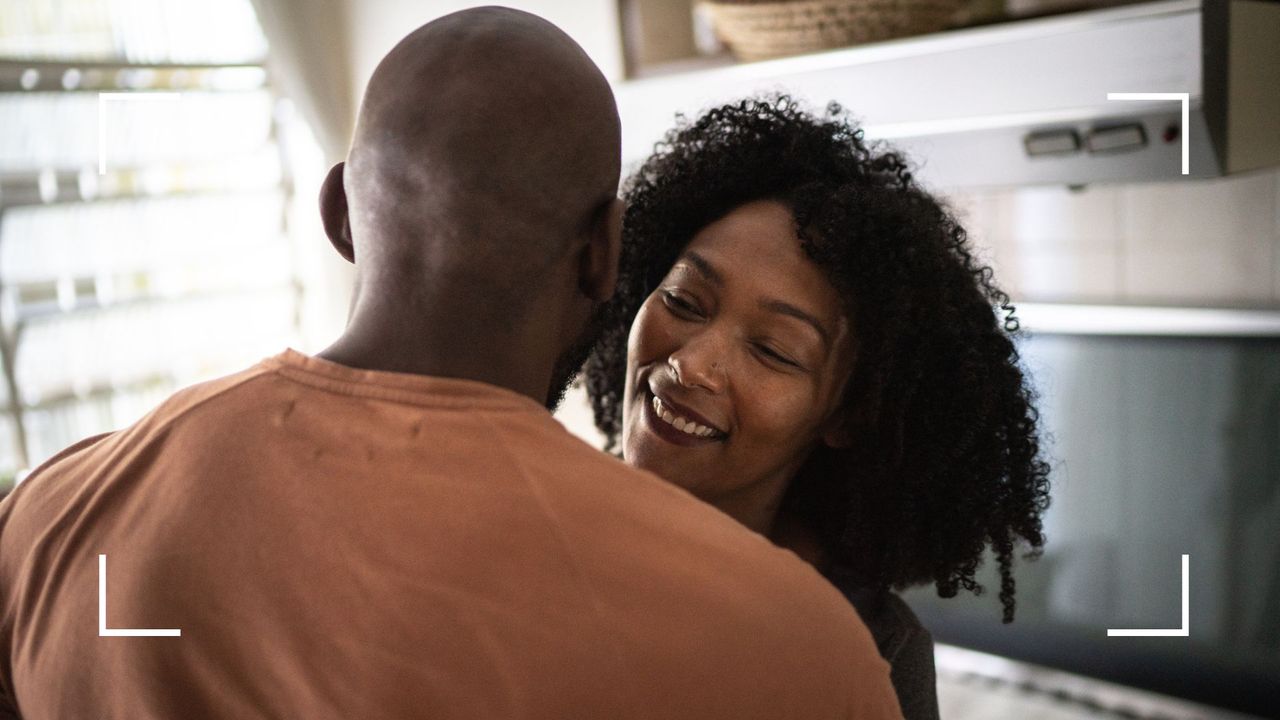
<point>783,406</point>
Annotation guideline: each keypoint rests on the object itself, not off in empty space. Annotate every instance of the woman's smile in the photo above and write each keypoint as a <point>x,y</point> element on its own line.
<point>736,360</point>
<point>678,425</point>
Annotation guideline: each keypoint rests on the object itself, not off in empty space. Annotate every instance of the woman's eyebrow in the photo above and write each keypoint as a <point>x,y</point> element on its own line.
<point>704,268</point>
<point>708,271</point>
<point>785,308</point>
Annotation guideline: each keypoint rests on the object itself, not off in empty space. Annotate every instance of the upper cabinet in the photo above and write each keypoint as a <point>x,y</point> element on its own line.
<point>1142,92</point>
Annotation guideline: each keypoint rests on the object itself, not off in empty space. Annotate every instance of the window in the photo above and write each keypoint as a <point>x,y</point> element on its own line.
<point>147,169</point>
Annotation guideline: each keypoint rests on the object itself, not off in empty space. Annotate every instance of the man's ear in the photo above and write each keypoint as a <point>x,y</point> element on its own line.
<point>334,214</point>
<point>598,266</point>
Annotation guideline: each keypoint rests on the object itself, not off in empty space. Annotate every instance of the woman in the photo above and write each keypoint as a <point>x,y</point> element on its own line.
<point>802,338</point>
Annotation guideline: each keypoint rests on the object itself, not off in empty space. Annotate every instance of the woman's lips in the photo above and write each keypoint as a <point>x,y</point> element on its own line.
<point>688,414</point>
<point>670,432</point>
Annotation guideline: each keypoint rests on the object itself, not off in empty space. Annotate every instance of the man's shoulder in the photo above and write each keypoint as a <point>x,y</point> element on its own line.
<point>636,521</point>
<point>156,421</point>
<point>228,388</point>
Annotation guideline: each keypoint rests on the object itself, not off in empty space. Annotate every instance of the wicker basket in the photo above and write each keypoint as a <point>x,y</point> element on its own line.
<point>757,30</point>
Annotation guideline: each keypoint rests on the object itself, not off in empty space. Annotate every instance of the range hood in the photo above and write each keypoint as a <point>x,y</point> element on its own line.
<point>1026,102</point>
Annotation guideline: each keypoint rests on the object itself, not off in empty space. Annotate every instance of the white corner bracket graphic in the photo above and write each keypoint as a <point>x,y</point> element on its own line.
<point>1186,117</point>
<point>103,97</point>
<point>104,631</point>
<point>1185,630</point>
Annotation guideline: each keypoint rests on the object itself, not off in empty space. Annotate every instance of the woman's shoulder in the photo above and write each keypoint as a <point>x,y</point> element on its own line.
<point>902,641</point>
<point>893,624</point>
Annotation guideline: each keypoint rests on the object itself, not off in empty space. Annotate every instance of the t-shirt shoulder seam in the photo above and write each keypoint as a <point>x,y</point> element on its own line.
<point>249,375</point>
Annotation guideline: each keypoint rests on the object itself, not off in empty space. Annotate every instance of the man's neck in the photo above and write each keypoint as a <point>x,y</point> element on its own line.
<point>460,358</point>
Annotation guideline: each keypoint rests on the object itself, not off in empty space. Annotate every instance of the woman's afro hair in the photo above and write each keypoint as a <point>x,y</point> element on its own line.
<point>945,454</point>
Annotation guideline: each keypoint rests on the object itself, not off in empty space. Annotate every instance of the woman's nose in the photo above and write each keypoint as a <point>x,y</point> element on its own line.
<point>700,363</point>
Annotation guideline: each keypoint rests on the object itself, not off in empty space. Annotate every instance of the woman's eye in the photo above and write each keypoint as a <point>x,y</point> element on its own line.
<point>777,356</point>
<point>679,304</point>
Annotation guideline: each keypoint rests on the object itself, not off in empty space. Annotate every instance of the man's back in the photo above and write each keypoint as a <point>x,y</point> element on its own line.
<point>340,543</point>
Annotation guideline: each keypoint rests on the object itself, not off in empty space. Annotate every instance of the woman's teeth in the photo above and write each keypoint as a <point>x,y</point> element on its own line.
<point>679,423</point>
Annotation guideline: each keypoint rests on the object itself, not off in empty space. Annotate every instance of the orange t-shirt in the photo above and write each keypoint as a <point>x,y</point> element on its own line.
<point>340,543</point>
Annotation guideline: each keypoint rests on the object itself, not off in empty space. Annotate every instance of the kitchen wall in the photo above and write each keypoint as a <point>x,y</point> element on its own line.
<point>1191,243</point>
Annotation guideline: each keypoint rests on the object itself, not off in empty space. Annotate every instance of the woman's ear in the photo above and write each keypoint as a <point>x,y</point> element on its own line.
<point>598,270</point>
<point>837,432</point>
<point>334,213</point>
<point>841,426</point>
<point>844,421</point>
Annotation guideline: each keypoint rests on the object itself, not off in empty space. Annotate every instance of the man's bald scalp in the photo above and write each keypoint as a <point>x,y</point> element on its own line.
<point>487,140</point>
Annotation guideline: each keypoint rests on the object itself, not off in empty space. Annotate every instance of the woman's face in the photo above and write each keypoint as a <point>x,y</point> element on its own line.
<point>735,364</point>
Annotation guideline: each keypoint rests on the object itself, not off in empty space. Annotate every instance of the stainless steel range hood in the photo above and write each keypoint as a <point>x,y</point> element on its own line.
<point>1026,102</point>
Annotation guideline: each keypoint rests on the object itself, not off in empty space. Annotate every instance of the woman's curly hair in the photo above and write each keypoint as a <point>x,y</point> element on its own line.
<point>945,455</point>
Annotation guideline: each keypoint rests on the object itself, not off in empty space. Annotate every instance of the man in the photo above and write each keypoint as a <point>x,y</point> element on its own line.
<point>398,528</point>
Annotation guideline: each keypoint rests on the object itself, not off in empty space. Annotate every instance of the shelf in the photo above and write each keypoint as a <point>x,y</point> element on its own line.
<point>22,76</point>
<point>987,93</point>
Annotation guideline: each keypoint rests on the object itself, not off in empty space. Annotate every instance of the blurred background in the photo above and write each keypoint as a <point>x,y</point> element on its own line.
<point>160,162</point>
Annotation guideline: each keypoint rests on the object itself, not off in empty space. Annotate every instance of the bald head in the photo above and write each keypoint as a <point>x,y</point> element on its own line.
<point>479,204</point>
<point>487,141</point>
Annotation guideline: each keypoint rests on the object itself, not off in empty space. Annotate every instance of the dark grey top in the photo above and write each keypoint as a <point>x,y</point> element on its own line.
<point>902,641</point>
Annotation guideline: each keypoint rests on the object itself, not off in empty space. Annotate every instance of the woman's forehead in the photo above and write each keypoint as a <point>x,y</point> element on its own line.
<point>755,249</point>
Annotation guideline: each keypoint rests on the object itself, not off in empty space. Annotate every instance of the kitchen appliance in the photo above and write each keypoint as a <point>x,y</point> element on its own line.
<point>1026,102</point>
